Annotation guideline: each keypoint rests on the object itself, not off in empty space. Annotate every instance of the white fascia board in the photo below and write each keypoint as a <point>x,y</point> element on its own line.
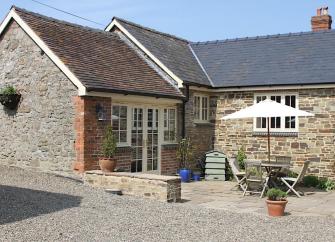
<point>145,50</point>
<point>13,15</point>
<point>264,88</point>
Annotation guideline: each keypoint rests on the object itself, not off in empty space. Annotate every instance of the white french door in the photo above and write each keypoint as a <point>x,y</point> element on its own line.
<point>145,140</point>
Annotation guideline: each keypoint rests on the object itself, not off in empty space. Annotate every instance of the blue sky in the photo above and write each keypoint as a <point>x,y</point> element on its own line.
<point>196,20</point>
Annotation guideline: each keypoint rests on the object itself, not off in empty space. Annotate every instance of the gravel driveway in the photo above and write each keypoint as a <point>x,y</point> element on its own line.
<point>42,207</point>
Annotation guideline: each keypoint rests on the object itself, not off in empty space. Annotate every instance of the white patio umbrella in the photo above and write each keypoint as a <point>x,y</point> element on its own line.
<point>267,109</point>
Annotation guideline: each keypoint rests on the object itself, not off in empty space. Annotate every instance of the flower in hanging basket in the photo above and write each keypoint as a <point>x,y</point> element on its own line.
<point>9,97</point>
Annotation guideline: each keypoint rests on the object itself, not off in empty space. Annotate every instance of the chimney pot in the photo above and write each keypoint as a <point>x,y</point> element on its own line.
<point>322,20</point>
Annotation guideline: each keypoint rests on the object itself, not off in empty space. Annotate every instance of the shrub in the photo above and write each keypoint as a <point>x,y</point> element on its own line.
<point>184,152</point>
<point>109,143</point>
<point>326,184</point>
<point>8,90</point>
<point>229,173</point>
<point>241,156</point>
<point>275,194</point>
<point>321,183</point>
<point>310,181</point>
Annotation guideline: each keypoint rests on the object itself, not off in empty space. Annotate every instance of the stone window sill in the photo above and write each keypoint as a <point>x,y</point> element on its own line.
<point>276,134</point>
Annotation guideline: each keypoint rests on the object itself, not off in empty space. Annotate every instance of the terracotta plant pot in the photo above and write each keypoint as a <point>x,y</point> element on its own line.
<point>276,208</point>
<point>107,165</point>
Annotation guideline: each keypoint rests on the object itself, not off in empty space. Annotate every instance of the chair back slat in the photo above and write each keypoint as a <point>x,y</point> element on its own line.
<point>253,171</point>
<point>303,171</point>
<point>234,166</point>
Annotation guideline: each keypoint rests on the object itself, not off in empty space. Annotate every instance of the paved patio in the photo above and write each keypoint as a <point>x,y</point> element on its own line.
<point>226,196</point>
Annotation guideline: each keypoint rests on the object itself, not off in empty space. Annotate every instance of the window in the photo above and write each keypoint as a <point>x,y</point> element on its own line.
<point>277,124</point>
<point>170,124</point>
<point>201,108</point>
<point>119,123</point>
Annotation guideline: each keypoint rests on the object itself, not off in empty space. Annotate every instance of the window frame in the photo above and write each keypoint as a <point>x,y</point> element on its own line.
<point>129,125</point>
<point>282,128</point>
<point>161,127</point>
<point>167,128</point>
<point>200,111</point>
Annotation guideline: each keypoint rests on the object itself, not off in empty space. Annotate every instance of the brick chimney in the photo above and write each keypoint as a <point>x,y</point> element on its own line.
<point>322,20</point>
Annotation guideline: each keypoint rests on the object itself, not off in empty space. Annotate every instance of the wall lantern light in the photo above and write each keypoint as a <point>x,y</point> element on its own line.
<point>100,111</point>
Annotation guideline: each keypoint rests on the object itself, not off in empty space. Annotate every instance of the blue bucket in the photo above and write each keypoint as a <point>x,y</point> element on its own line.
<point>185,175</point>
<point>196,177</point>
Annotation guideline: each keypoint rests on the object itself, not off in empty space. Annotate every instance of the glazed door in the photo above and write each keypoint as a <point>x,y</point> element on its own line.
<point>137,140</point>
<point>145,140</point>
<point>151,141</point>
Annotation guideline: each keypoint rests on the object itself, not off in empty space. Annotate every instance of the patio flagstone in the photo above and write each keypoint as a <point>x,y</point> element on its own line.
<point>226,195</point>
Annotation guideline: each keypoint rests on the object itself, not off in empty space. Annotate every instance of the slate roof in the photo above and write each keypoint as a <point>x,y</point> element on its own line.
<point>287,59</point>
<point>301,58</point>
<point>102,61</point>
<point>175,53</point>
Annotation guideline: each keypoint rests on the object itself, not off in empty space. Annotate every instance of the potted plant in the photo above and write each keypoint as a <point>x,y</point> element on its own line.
<point>184,154</point>
<point>9,97</point>
<point>108,162</point>
<point>196,174</point>
<point>276,202</point>
<point>241,157</point>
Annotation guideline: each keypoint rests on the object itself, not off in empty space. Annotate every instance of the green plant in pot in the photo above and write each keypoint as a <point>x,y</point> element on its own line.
<point>108,162</point>
<point>184,154</point>
<point>241,157</point>
<point>276,202</point>
<point>9,97</point>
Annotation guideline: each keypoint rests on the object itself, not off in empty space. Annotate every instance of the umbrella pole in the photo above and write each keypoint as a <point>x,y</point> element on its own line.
<point>268,121</point>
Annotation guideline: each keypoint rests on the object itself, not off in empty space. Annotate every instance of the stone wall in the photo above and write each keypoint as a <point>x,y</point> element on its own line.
<point>162,188</point>
<point>314,141</point>
<point>201,134</point>
<point>40,133</point>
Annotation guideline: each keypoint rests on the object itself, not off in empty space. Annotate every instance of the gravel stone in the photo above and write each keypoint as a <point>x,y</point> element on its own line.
<point>38,206</point>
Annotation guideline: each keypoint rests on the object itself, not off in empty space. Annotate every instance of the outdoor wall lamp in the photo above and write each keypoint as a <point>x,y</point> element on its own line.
<point>100,111</point>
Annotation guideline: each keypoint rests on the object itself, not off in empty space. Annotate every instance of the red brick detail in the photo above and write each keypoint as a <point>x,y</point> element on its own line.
<point>169,162</point>
<point>123,156</point>
<point>89,131</point>
<point>322,21</point>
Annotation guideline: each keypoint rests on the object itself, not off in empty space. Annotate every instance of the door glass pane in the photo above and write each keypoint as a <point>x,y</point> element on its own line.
<point>152,140</point>
<point>137,140</point>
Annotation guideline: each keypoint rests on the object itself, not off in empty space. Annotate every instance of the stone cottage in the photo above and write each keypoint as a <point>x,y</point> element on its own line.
<point>154,88</point>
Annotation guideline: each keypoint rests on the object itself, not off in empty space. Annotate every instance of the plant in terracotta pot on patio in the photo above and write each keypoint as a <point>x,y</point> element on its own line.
<point>9,97</point>
<point>184,154</point>
<point>108,162</point>
<point>276,202</point>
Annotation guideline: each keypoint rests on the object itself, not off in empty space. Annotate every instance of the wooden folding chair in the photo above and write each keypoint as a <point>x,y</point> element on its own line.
<point>291,182</point>
<point>254,178</point>
<point>283,160</point>
<point>238,175</point>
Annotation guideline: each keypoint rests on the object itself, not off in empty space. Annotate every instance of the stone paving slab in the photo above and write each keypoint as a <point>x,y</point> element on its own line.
<point>226,195</point>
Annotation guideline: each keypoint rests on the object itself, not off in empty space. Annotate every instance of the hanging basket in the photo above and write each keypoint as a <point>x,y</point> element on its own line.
<point>10,100</point>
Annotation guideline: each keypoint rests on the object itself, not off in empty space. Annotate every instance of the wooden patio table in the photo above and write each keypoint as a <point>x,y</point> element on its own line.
<point>274,166</point>
<point>272,169</point>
